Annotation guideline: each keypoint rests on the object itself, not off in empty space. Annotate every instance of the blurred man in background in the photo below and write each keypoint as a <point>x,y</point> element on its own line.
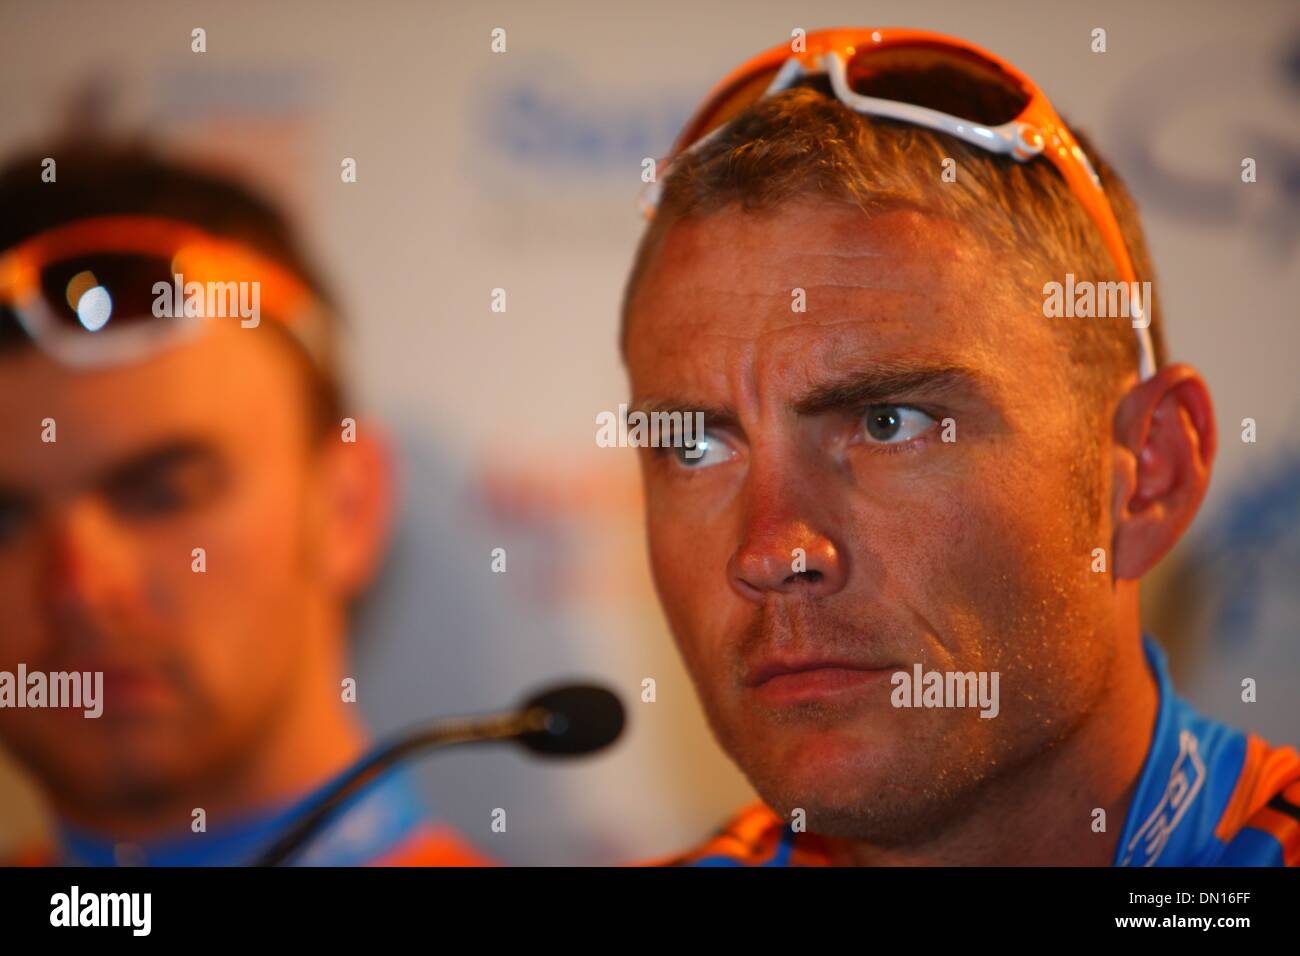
<point>186,508</point>
<point>913,470</point>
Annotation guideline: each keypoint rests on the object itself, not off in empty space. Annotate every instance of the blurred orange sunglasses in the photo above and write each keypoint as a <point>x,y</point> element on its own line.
<point>862,66</point>
<point>87,292</point>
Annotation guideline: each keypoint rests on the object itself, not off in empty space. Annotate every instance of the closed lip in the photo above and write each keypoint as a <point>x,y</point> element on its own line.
<point>767,670</point>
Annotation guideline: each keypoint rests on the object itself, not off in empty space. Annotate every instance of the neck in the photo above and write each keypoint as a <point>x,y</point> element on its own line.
<point>1043,813</point>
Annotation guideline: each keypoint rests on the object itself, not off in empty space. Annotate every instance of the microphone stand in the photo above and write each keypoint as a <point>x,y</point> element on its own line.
<point>442,734</point>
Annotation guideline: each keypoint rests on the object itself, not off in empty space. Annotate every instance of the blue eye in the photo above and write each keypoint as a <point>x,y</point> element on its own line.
<point>894,424</point>
<point>707,450</point>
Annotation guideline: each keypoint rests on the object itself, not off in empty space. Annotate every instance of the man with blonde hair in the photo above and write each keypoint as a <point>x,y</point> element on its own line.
<point>902,563</point>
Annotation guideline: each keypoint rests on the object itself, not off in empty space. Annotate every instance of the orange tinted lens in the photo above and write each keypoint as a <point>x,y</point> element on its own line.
<point>951,81</point>
<point>740,97</point>
<point>86,291</point>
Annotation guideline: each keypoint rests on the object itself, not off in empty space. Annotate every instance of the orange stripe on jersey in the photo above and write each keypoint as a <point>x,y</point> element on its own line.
<point>1283,827</point>
<point>750,838</point>
<point>429,847</point>
<point>1266,772</point>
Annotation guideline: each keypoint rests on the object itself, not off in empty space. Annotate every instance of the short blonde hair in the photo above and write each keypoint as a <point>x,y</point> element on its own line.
<point>804,143</point>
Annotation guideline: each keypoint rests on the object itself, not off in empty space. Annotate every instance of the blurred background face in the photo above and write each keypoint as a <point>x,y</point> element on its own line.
<point>205,446</point>
<point>825,435</point>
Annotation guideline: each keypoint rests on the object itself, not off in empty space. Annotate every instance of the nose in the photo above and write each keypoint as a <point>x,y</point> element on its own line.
<point>91,569</point>
<point>786,547</point>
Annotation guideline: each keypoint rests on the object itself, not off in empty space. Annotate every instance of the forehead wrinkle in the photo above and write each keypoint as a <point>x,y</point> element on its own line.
<point>704,320</point>
<point>767,346</point>
<point>875,258</point>
<point>688,242</point>
<point>758,280</point>
<point>761,274</point>
<point>700,347</point>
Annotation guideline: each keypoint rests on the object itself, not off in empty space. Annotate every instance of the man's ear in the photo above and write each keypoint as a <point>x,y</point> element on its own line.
<point>358,499</point>
<point>1164,448</point>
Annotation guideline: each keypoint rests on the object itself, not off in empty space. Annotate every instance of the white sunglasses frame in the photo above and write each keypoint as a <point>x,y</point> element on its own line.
<point>114,345</point>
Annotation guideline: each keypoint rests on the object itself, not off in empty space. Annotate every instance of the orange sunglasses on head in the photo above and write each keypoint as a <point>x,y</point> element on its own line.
<point>1015,118</point>
<point>88,292</point>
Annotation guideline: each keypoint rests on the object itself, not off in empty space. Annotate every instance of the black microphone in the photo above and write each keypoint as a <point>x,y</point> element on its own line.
<point>580,719</point>
<point>565,721</point>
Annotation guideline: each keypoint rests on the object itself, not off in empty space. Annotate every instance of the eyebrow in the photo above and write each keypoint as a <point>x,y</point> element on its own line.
<point>867,385</point>
<point>170,455</point>
<point>713,414</point>
<point>879,383</point>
